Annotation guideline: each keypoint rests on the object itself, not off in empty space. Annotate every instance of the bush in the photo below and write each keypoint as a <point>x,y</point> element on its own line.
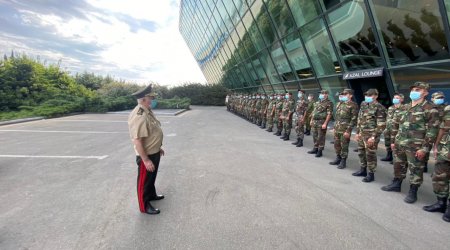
<point>174,103</point>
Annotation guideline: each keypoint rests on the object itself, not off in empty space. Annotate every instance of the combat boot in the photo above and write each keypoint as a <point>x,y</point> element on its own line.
<point>369,178</point>
<point>336,161</point>
<point>269,129</point>
<point>300,143</point>
<point>287,137</point>
<point>388,156</point>
<point>395,186</point>
<point>361,172</point>
<point>307,132</point>
<point>342,164</point>
<point>355,150</point>
<point>263,126</point>
<point>319,153</point>
<point>412,195</point>
<point>439,206</point>
<point>446,216</point>
<point>284,136</point>
<point>313,151</point>
<point>278,133</point>
<point>425,168</point>
<point>296,142</point>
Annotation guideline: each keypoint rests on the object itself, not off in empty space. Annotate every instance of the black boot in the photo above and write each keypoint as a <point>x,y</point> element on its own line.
<point>361,172</point>
<point>278,133</point>
<point>439,206</point>
<point>343,163</point>
<point>355,150</point>
<point>296,142</point>
<point>313,151</point>
<point>446,215</point>
<point>336,161</point>
<point>300,143</point>
<point>388,156</point>
<point>307,132</point>
<point>369,178</point>
<point>286,138</point>
<point>395,186</point>
<point>319,153</point>
<point>269,130</point>
<point>412,195</point>
<point>425,168</point>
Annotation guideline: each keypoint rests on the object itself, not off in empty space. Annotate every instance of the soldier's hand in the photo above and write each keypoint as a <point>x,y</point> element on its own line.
<point>324,126</point>
<point>393,146</point>
<point>357,136</point>
<point>420,154</point>
<point>435,152</point>
<point>347,135</point>
<point>149,165</point>
<point>161,152</point>
<point>370,142</point>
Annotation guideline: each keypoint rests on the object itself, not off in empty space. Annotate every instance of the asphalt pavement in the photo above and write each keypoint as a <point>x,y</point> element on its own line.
<point>70,183</point>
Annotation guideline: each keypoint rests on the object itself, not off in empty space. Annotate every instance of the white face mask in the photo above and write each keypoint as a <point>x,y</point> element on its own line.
<point>263,97</point>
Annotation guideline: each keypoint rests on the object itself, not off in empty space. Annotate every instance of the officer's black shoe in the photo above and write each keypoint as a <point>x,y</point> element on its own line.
<point>361,172</point>
<point>319,153</point>
<point>307,132</point>
<point>300,143</point>
<point>286,138</point>
<point>425,168</point>
<point>395,186</point>
<point>355,150</point>
<point>151,210</point>
<point>412,195</point>
<point>313,151</point>
<point>336,161</point>
<point>446,215</point>
<point>296,142</point>
<point>369,178</point>
<point>269,130</point>
<point>439,206</point>
<point>342,164</point>
<point>388,156</point>
<point>157,198</point>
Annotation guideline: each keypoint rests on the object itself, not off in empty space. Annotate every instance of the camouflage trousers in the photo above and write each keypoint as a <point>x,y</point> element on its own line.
<point>341,143</point>
<point>318,134</point>
<point>287,126</point>
<point>307,122</point>
<point>441,179</point>
<point>404,158</point>
<point>387,138</point>
<point>368,155</point>
<point>263,118</point>
<point>278,123</point>
<point>300,128</point>
<point>269,122</point>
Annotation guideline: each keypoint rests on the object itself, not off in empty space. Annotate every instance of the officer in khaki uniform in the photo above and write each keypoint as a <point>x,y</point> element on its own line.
<point>147,136</point>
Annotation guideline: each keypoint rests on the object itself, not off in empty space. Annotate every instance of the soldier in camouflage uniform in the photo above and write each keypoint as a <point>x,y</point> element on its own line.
<point>270,112</point>
<point>300,111</point>
<point>308,114</point>
<point>321,115</point>
<point>441,175</point>
<point>392,110</point>
<point>371,124</point>
<point>286,115</point>
<point>258,108</point>
<point>345,121</point>
<point>263,112</point>
<point>416,128</point>
<point>276,120</point>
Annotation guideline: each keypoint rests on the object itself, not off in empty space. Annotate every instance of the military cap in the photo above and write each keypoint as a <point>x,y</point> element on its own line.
<point>399,94</point>
<point>147,91</point>
<point>323,91</point>
<point>437,95</point>
<point>421,85</point>
<point>347,91</point>
<point>370,92</point>
<point>301,90</point>
<point>288,93</point>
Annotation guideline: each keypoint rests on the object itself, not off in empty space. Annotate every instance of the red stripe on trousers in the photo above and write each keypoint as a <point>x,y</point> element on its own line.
<point>140,189</point>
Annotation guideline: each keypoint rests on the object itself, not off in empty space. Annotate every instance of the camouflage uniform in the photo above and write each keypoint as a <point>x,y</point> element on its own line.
<point>258,107</point>
<point>308,113</point>
<point>270,113</point>
<point>300,110</point>
<point>287,111</point>
<point>345,120</point>
<point>371,124</point>
<point>277,121</point>
<point>264,108</point>
<point>440,108</point>
<point>322,109</point>
<point>391,112</point>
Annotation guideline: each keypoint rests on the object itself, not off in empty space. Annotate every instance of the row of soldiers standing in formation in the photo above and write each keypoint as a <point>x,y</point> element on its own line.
<point>411,131</point>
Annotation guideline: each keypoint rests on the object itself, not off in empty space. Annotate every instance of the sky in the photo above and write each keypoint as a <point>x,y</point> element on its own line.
<point>133,40</point>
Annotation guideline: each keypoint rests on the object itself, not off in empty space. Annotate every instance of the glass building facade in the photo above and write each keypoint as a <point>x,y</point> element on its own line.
<point>273,46</point>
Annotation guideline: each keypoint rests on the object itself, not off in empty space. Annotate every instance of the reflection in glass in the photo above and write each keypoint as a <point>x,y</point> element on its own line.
<point>319,48</point>
<point>281,62</point>
<point>333,85</point>
<point>269,67</point>
<point>412,31</point>
<point>281,16</point>
<point>353,36</point>
<point>328,4</point>
<point>264,23</point>
<point>447,7</point>
<point>297,56</point>
<point>304,10</point>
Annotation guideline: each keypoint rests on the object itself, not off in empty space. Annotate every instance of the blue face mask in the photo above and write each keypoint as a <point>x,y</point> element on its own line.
<point>300,95</point>
<point>286,97</point>
<point>395,101</point>
<point>414,95</point>
<point>438,101</point>
<point>321,96</point>
<point>368,99</point>
<point>343,98</point>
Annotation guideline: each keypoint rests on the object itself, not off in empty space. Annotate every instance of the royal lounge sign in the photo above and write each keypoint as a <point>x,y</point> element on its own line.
<point>363,74</point>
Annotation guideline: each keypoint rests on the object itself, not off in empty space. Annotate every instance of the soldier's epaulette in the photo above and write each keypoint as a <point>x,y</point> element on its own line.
<point>140,111</point>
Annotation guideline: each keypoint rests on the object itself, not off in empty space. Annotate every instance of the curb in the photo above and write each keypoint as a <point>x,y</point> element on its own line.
<point>21,120</point>
<point>181,111</point>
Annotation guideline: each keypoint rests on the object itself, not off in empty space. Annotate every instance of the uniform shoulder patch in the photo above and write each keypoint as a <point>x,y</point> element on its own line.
<point>140,111</point>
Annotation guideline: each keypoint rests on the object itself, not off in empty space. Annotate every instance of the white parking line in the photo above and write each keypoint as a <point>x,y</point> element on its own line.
<point>101,157</point>
<point>60,131</point>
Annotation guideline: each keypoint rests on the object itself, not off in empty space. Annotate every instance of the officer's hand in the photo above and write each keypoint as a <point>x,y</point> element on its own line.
<point>324,126</point>
<point>149,166</point>
<point>347,135</point>
<point>161,152</point>
<point>420,154</point>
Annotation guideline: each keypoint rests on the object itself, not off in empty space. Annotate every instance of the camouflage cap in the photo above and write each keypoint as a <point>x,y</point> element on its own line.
<point>370,92</point>
<point>347,91</point>
<point>147,91</point>
<point>399,94</point>
<point>438,94</point>
<point>323,91</point>
<point>421,85</point>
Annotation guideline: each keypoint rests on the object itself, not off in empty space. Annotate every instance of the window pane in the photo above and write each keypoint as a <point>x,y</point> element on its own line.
<point>353,35</point>
<point>263,20</point>
<point>304,10</point>
<point>412,30</point>
<point>330,3</point>
<point>447,6</point>
<point>333,85</point>
<point>319,47</point>
<point>281,16</point>
<point>252,31</point>
<point>281,62</point>
<point>269,67</point>
<point>297,56</point>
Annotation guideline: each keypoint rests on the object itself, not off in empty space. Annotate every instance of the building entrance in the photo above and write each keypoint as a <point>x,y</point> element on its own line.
<point>361,85</point>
